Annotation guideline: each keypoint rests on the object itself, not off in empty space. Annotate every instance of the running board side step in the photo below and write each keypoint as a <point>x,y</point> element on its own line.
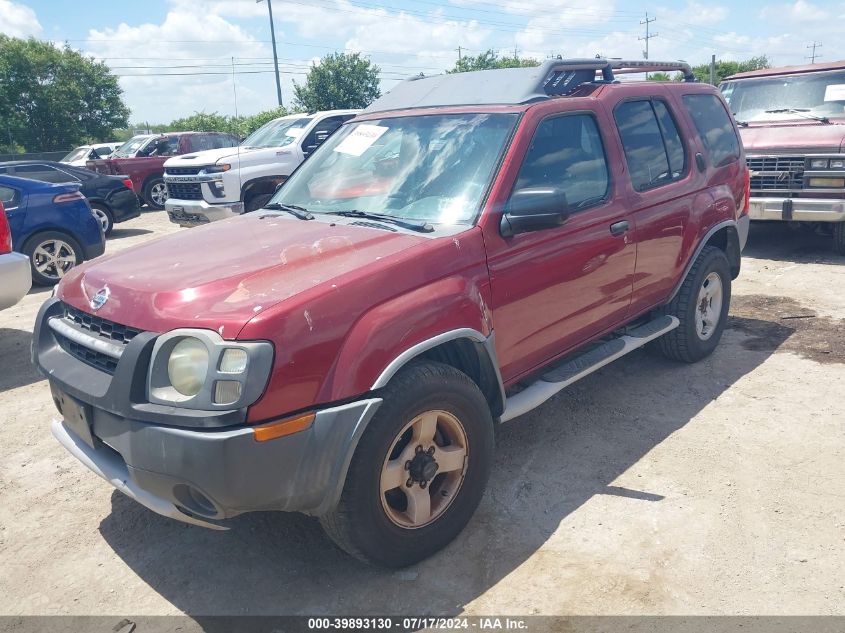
<point>564,375</point>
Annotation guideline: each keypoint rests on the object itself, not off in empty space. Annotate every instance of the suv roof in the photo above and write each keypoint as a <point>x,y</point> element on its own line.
<point>513,86</point>
<point>789,70</point>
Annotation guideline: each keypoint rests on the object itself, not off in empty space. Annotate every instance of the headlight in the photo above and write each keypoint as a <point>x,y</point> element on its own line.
<point>837,164</point>
<point>187,366</point>
<point>198,369</point>
<point>818,163</point>
<point>217,169</point>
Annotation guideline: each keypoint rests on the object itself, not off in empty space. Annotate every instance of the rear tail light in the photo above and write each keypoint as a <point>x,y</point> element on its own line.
<point>128,183</point>
<point>5,233</point>
<point>68,197</point>
<point>746,194</point>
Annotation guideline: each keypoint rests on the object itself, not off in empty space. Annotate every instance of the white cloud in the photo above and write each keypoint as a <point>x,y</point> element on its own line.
<point>799,11</point>
<point>18,20</point>
<point>700,14</point>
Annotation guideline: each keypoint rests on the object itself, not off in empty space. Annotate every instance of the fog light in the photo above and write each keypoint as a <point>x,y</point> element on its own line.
<point>818,163</point>
<point>832,183</point>
<point>227,391</point>
<point>233,361</point>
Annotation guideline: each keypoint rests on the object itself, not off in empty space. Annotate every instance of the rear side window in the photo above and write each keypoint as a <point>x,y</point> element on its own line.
<point>8,196</point>
<point>715,128</point>
<point>653,149</point>
<point>45,173</point>
<point>566,152</point>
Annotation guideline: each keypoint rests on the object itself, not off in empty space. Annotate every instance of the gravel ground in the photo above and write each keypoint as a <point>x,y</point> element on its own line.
<point>647,488</point>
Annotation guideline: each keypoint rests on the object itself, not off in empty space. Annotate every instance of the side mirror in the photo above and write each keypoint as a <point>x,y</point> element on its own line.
<point>534,209</point>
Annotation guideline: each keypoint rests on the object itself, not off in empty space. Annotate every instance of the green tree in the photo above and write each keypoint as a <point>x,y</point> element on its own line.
<point>490,59</point>
<point>340,80</point>
<point>54,98</point>
<point>660,77</point>
<point>725,69</point>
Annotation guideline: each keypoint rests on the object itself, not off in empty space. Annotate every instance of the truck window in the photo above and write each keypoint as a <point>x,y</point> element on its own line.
<point>715,128</point>
<point>674,146</point>
<point>323,130</point>
<point>567,152</point>
<point>647,154</point>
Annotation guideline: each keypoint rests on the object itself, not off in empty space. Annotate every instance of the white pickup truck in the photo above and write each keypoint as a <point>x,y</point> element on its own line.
<point>216,184</point>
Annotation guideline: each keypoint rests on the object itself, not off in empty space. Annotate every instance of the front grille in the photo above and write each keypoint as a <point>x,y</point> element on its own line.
<point>97,327</point>
<point>184,190</point>
<point>184,171</point>
<point>776,173</point>
<point>101,327</point>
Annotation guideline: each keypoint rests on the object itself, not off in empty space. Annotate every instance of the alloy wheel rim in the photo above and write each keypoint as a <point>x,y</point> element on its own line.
<point>159,193</point>
<point>102,217</point>
<point>424,469</point>
<point>53,258</point>
<point>709,307</point>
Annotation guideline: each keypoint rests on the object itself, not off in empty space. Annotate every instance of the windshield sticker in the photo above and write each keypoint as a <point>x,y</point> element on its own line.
<point>295,132</point>
<point>360,139</point>
<point>835,92</point>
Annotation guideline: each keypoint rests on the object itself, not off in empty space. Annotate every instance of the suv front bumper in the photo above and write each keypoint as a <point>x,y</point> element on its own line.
<point>201,476</point>
<point>797,209</point>
<point>197,212</point>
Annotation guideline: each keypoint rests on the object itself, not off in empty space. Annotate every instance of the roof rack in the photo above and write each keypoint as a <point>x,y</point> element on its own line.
<point>511,86</point>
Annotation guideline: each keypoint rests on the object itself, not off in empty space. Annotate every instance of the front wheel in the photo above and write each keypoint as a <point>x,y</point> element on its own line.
<point>155,193</point>
<point>419,470</point>
<point>839,238</point>
<point>701,305</point>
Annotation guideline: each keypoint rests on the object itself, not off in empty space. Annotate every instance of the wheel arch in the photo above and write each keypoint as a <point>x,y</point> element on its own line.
<point>465,349</point>
<point>261,185</point>
<point>723,236</point>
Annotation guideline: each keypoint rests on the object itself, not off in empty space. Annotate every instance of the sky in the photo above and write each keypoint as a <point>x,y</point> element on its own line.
<point>176,57</point>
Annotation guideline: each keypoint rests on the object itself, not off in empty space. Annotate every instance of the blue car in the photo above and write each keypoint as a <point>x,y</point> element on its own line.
<point>52,224</point>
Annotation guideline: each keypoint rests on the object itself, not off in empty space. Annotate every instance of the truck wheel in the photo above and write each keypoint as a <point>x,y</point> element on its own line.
<point>419,470</point>
<point>155,193</point>
<point>256,202</point>
<point>839,238</point>
<point>702,307</point>
<point>51,255</point>
<point>104,216</point>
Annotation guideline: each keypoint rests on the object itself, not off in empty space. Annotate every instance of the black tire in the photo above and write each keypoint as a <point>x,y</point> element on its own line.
<point>839,238</point>
<point>31,249</point>
<point>685,343</point>
<point>257,201</point>
<point>360,524</point>
<point>152,192</point>
<point>105,216</point>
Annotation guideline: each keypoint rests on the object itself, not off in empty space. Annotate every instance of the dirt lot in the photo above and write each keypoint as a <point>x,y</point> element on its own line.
<point>648,488</point>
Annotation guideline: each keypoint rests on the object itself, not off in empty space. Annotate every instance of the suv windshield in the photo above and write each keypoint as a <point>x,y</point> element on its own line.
<point>435,168</point>
<point>277,133</point>
<point>789,97</point>
<point>131,147</point>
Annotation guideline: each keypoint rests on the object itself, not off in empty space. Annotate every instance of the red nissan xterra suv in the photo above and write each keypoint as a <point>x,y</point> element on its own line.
<point>451,258</point>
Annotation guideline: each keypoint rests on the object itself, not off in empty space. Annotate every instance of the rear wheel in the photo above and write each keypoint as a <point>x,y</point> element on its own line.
<point>104,216</point>
<point>51,255</point>
<point>155,193</point>
<point>419,470</point>
<point>839,238</point>
<point>702,306</point>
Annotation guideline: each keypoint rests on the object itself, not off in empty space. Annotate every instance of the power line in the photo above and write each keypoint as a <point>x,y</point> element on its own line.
<point>812,56</point>
<point>648,36</point>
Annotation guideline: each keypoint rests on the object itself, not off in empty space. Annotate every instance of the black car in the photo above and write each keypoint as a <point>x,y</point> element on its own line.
<point>111,197</point>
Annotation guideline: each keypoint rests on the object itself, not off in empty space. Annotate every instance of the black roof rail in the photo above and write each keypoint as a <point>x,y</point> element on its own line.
<point>552,78</point>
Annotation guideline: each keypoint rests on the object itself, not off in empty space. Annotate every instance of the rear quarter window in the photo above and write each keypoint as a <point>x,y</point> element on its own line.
<point>715,128</point>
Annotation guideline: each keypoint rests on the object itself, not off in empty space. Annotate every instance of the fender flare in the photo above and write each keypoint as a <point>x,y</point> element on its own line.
<point>701,244</point>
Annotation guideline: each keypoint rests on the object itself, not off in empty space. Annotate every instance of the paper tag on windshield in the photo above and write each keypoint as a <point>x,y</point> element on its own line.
<point>360,139</point>
<point>835,92</point>
<point>295,132</point>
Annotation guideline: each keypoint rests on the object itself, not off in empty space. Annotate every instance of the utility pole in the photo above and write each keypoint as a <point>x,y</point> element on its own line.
<point>647,37</point>
<point>812,56</point>
<point>459,49</point>
<point>712,70</point>
<point>275,57</point>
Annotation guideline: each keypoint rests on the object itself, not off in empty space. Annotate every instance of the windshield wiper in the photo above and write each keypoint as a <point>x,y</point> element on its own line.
<point>422,227</point>
<point>804,112</point>
<point>299,212</point>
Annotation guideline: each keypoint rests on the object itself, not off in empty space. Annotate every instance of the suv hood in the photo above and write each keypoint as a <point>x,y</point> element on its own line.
<point>785,136</point>
<point>222,275</point>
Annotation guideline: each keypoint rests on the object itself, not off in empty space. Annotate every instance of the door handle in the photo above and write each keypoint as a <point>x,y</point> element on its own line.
<point>619,228</point>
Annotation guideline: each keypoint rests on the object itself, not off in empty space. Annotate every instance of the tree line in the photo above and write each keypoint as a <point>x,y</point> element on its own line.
<point>54,98</point>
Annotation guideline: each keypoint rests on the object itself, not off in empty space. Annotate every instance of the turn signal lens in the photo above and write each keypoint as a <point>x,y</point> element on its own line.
<point>831,183</point>
<point>233,361</point>
<point>227,391</point>
<point>288,426</point>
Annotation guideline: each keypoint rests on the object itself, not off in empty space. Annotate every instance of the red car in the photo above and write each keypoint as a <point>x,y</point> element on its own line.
<point>464,249</point>
<point>142,159</point>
